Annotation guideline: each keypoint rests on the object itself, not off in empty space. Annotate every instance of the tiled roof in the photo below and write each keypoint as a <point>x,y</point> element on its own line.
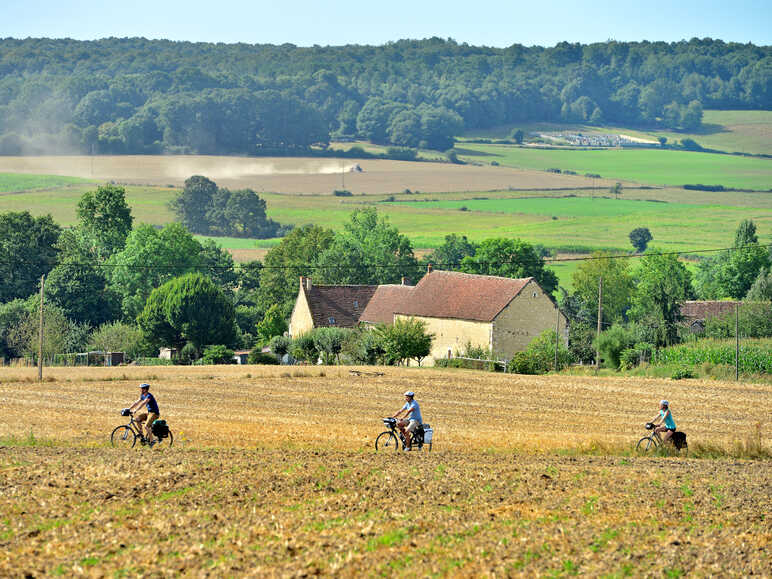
<point>702,310</point>
<point>464,296</point>
<point>386,300</point>
<point>338,305</point>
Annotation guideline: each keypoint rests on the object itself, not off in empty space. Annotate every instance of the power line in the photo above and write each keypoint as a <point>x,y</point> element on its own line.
<point>388,265</point>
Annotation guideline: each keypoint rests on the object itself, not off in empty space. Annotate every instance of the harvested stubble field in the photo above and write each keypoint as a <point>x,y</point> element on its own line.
<point>273,474</point>
<point>294,174</point>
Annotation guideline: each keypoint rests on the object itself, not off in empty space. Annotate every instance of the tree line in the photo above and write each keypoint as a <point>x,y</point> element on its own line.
<point>137,96</point>
<point>114,285</point>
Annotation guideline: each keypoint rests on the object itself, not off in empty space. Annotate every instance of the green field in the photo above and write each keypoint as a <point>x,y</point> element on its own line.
<point>17,182</point>
<point>743,131</point>
<point>646,166</point>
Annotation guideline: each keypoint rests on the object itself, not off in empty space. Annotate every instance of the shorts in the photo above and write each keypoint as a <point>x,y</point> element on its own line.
<point>671,429</point>
<point>146,418</point>
<point>412,425</point>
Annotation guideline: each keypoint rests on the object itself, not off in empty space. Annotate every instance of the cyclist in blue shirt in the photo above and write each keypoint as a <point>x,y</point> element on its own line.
<point>668,426</point>
<point>148,417</point>
<point>412,419</point>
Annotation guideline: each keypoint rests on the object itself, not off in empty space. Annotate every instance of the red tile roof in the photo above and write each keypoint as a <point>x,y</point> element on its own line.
<point>702,310</point>
<point>341,303</point>
<point>464,296</point>
<point>386,300</point>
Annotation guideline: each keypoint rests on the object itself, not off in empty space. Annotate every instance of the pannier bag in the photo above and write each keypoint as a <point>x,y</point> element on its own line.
<point>160,429</point>
<point>428,432</point>
<point>679,439</point>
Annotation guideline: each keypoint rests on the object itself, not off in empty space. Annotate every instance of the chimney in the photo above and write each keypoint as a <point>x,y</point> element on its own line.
<point>404,280</point>
<point>305,281</point>
<point>429,268</point>
<point>308,284</point>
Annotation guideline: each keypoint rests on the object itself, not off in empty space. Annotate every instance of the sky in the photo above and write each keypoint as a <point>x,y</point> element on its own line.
<point>496,23</point>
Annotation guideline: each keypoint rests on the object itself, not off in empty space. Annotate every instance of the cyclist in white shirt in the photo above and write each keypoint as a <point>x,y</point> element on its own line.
<point>412,418</point>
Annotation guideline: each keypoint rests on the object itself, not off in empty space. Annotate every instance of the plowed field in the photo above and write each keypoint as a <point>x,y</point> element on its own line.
<point>273,474</point>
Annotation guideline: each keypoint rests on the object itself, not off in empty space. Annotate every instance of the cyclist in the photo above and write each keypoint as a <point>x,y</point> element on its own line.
<point>147,418</point>
<point>412,418</point>
<point>668,426</point>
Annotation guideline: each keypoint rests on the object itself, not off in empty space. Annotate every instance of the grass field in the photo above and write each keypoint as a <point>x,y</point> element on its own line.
<point>528,476</point>
<point>743,131</point>
<point>647,166</point>
<point>16,182</point>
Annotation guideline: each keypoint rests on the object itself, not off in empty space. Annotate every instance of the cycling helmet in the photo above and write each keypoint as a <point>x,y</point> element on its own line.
<point>144,385</point>
<point>410,393</point>
<point>663,403</point>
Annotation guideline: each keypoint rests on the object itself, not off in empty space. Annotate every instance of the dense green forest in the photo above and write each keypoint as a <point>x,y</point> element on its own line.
<point>135,95</point>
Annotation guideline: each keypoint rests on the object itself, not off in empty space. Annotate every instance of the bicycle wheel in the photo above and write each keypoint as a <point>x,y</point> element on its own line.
<point>386,440</point>
<point>646,444</point>
<point>123,436</point>
<point>168,441</point>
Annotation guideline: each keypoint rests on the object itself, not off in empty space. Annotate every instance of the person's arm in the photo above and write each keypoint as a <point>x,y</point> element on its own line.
<point>137,404</point>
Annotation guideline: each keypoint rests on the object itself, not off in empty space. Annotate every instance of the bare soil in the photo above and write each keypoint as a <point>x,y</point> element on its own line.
<point>296,175</point>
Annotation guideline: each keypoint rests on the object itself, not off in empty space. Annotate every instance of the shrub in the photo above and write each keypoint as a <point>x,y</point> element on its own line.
<point>258,357</point>
<point>188,354</point>
<point>681,373</point>
<point>303,348</point>
<point>280,345</point>
<point>342,193</point>
<point>612,342</point>
<point>539,356</point>
<point>218,354</point>
<point>363,346</point>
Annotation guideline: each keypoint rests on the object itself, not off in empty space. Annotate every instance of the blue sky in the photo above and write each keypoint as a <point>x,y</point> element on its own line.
<point>335,22</point>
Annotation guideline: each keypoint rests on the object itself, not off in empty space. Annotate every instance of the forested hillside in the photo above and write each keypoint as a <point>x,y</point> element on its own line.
<point>151,96</point>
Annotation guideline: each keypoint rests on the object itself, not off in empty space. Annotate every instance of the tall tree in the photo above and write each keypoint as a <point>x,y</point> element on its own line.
<point>617,286</point>
<point>662,284</point>
<point>295,256</point>
<point>193,202</point>
<point>151,258</point>
<point>369,250</point>
<point>27,252</point>
<point>513,258</point>
<point>190,308</point>
<point>106,219</point>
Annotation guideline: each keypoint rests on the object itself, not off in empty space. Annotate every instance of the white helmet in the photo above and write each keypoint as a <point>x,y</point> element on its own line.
<point>410,393</point>
<point>663,403</point>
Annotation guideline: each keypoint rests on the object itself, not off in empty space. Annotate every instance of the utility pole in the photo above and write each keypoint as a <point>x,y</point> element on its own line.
<point>40,334</point>
<point>557,335</point>
<point>600,315</point>
<point>736,341</point>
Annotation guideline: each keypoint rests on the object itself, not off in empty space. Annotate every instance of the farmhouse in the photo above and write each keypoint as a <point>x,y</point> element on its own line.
<point>696,313</point>
<point>497,313</point>
<point>328,306</point>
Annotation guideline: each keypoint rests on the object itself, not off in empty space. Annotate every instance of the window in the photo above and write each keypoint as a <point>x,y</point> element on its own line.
<point>356,304</point>
<point>331,320</point>
<point>536,295</point>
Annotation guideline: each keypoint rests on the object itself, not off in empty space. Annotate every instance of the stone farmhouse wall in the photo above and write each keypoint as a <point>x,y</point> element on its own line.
<point>527,315</point>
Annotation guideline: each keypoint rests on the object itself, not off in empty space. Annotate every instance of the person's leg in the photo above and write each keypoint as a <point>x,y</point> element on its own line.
<point>149,426</point>
<point>140,420</point>
<point>666,435</point>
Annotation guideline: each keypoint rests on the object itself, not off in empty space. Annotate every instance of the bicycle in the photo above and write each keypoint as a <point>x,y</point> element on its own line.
<point>393,437</point>
<point>654,440</point>
<point>127,434</point>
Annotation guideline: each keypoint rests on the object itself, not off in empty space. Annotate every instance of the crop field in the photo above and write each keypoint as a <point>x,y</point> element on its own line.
<point>648,166</point>
<point>16,182</point>
<point>293,174</point>
<point>273,473</point>
<point>743,131</point>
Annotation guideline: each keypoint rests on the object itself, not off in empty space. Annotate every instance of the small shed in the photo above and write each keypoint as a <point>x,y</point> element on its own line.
<point>241,356</point>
